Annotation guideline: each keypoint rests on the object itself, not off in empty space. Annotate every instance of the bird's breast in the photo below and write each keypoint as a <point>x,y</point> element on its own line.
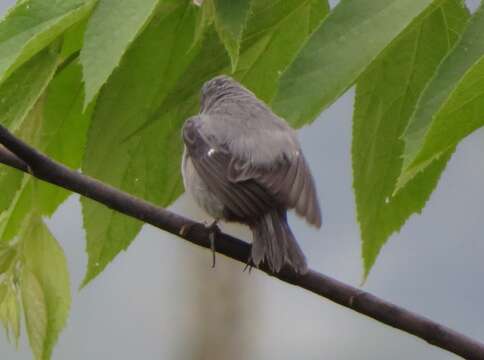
<point>198,189</point>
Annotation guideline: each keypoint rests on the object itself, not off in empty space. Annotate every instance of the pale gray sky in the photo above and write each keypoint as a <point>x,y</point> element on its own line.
<point>145,305</point>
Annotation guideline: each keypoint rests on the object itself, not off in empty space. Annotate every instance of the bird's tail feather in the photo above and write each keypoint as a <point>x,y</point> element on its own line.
<point>274,243</point>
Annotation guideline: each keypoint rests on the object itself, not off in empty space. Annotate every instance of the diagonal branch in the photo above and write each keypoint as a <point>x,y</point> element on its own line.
<point>19,155</point>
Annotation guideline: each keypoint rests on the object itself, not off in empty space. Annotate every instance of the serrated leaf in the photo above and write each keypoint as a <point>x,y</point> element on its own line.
<point>57,126</point>
<point>269,44</point>
<point>385,98</point>
<point>261,62</point>
<point>32,25</point>
<point>63,132</point>
<point>338,52</point>
<point>10,312</point>
<point>73,39</point>
<point>20,206</point>
<point>23,200</point>
<point>45,260</point>
<point>230,20</point>
<point>452,106</point>
<point>112,27</point>
<point>23,88</point>
<point>265,60</point>
<point>51,134</point>
<point>35,311</point>
<point>147,163</point>
<point>18,94</point>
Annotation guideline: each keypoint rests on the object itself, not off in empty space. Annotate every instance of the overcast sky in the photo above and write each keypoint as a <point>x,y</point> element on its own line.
<point>148,303</point>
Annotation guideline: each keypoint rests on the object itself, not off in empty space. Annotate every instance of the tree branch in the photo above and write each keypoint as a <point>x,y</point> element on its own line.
<point>21,156</point>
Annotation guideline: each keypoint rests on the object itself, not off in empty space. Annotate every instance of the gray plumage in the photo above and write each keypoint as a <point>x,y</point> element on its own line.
<point>242,163</point>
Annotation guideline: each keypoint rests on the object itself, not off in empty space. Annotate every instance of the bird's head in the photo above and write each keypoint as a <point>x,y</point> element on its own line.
<point>216,89</point>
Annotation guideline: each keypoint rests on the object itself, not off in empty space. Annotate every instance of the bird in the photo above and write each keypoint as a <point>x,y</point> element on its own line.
<point>243,163</point>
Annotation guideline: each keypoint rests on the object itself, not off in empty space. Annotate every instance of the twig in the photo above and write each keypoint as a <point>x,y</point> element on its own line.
<point>21,156</point>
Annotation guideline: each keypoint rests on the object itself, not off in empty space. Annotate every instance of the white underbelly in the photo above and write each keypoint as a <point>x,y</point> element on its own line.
<point>198,189</point>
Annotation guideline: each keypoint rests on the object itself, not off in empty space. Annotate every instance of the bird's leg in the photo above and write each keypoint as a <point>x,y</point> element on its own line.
<point>213,230</point>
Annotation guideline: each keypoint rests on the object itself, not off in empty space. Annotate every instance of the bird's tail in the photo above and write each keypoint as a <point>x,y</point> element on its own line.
<point>274,243</point>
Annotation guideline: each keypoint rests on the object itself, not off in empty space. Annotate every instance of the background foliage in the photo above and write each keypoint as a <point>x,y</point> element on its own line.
<point>105,86</point>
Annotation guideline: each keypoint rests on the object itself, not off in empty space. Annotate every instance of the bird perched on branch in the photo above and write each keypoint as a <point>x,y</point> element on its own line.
<point>244,164</point>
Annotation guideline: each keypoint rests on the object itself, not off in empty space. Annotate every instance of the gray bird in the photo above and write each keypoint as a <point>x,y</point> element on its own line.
<point>244,164</point>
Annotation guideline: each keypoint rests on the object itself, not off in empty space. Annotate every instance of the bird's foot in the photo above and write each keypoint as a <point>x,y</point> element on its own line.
<point>212,229</point>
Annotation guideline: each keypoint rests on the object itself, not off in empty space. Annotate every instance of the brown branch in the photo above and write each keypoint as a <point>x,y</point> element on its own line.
<point>7,158</point>
<point>21,156</point>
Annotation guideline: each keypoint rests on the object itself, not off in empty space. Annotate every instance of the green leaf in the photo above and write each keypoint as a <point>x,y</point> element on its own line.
<point>269,44</point>
<point>23,88</point>
<point>338,52</point>
<point>10,311</point>
<point>7,257</point>
<point>451,107</point>
<point>45,287</point>
<point>23,200</point>
<point>112,27</point>
<point>10,182</point>
<point>20,206</point>
<point>35,311</point>
<point>319,9</point>
<point>32,25</point>
<point>3,292</point>
<point>64,131</point>
<point>48,301</point>
<point>18,95</point>
<point>205,17</point>
<point>230,19</point>
<point>73,40</point>
<point>262,61</point>
<point>385,98</point>
<point>145,164</point>
<point>265,60</point>
<point>58,127</point>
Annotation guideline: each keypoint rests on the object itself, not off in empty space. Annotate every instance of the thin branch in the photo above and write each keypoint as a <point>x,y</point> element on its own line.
<point>21,156</point>
<point>7,158</point>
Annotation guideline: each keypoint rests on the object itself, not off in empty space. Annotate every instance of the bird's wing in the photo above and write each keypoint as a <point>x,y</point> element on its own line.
<point>250,189</point>
<point>289,181</point>
<point>244,200</point>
